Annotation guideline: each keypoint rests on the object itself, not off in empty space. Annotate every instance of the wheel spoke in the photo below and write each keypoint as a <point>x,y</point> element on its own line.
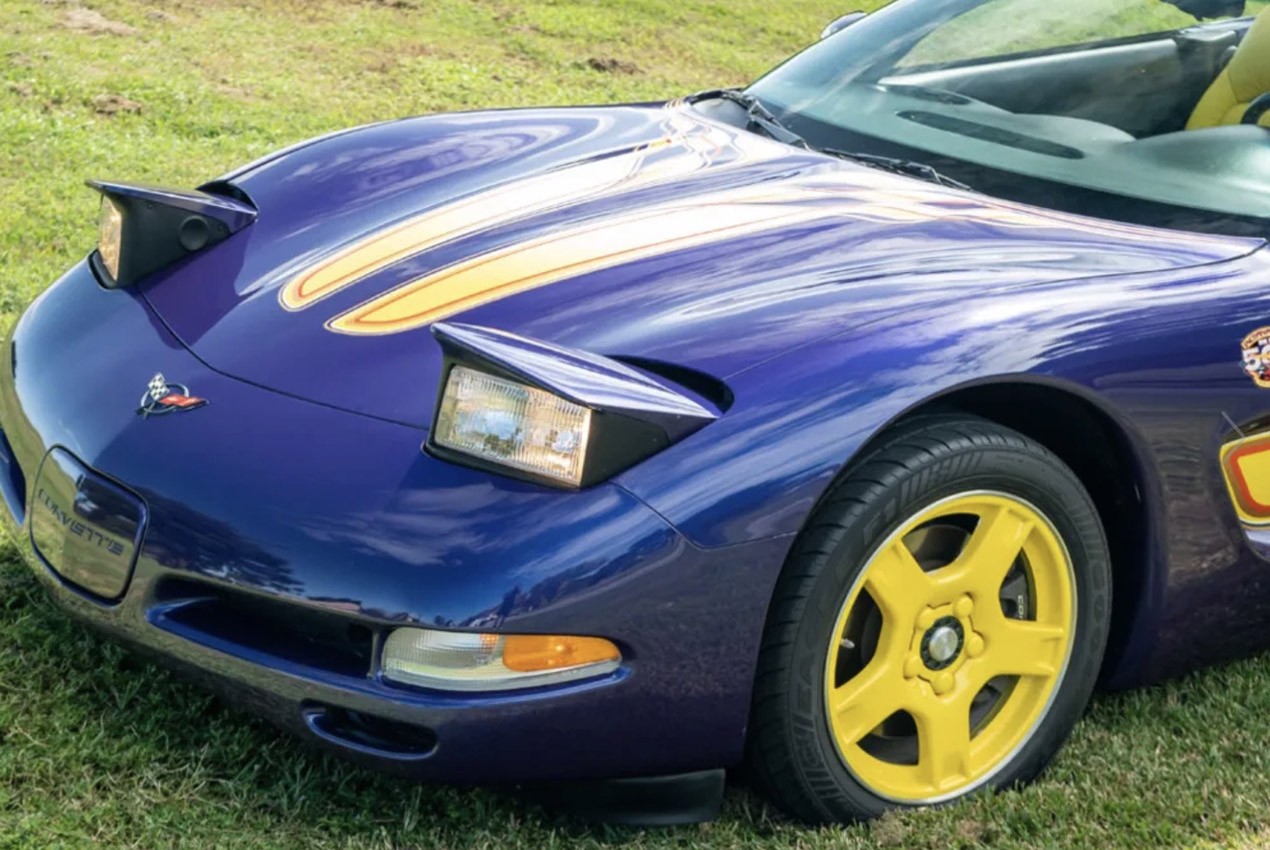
<point>1024,648</point>
<point>943,742</point>
<point>897,583</point>
<point>990,552</point>
<point>868,698</point>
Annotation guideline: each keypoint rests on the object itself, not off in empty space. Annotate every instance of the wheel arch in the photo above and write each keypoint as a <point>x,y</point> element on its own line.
<point>1085,431</point>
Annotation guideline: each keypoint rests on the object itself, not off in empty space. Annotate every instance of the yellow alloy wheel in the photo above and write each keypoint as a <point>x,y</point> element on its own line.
<point>950,647</point>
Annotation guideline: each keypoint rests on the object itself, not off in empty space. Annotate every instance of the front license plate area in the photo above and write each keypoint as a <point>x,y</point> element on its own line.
<point>86,528</point>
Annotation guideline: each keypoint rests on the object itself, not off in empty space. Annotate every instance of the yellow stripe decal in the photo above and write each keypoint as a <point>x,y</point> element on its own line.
<point>589,245</point>
<point>539,262</point>
<point>688,147</point>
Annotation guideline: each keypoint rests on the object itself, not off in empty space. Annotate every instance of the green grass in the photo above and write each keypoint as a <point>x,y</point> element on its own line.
<point>100,749</point>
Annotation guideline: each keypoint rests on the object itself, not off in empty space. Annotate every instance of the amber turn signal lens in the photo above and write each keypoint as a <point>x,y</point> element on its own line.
<point>530,653</point>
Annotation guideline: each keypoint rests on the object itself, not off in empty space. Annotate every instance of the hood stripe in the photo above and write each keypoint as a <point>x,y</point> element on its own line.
<point>586,246</point>
<point>684,224</point>
<point>602,245</point>
<point>689,146</point>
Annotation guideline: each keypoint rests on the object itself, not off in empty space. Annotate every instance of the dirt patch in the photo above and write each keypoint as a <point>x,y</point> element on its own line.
<point>610,65</point>
<point>94,23</point>
<point>229,88</point>
<point>23,89</point>
<point>113,104</point>
<point>393,59</point>
<point>973,832</point>
<point>890,830</point>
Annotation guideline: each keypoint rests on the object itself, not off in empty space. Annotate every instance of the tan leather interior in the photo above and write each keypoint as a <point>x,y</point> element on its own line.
<point>1246,78</point>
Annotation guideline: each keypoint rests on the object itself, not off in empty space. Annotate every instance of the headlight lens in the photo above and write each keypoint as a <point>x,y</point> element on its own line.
<point>110,235</point>
<point>466,661</point>
<point>514,425</point>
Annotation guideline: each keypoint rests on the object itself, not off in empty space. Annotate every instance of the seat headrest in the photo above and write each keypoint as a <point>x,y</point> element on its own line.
<point>1250,69</point>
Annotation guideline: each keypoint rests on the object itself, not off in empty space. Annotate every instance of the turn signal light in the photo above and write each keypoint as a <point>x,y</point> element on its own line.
<point>472,661</point>
<point>529,653</point>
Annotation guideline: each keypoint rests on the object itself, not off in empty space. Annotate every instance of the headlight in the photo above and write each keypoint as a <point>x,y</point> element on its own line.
<point>554,415</point>
<point>513,425</point>
<point>465,661</point>
<point>110,235</point>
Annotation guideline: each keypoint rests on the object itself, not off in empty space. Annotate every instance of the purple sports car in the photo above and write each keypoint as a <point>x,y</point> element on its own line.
<point>853,426</point>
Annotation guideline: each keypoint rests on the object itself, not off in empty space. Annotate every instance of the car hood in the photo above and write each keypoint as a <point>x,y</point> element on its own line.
<point>638,231</point>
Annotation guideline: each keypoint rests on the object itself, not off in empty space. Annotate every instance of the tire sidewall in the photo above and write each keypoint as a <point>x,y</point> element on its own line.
<point>1032,476</point>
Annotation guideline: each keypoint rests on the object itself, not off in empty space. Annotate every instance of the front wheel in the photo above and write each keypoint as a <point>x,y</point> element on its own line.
<point>938,628</point>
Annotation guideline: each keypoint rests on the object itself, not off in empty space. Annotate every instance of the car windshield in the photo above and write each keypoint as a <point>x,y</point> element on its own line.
<point>1148,111</point>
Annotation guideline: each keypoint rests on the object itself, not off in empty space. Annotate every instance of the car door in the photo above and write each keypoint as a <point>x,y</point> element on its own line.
<point>1201,402</point>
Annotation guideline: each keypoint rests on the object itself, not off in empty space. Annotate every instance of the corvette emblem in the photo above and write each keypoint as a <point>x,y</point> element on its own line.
<point>1256,348</point>
<point>162,398</point>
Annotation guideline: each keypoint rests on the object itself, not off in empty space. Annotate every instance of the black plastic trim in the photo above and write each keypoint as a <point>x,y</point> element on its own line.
<point>154,237</point>
<point>996,135</point>
<point>675,800</point>
<point>214,616</point>
<point>369,734</point>
<point>703,384</point>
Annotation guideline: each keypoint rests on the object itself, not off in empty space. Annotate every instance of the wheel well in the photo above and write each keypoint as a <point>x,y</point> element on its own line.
<point>1103,456</point>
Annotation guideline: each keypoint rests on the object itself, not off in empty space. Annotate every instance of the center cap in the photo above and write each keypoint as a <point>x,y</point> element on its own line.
<point>942,643</point>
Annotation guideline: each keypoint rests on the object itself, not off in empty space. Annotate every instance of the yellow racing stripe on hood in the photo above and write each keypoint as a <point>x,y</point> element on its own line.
<point>689,146</point>
<point>600,245</point>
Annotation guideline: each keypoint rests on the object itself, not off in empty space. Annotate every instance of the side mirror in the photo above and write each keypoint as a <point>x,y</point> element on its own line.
<point>842,23</point>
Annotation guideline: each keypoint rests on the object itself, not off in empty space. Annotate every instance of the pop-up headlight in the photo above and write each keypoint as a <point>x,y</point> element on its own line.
<point>558,416</point>
<point>515,425</point>
<point>143,229</point>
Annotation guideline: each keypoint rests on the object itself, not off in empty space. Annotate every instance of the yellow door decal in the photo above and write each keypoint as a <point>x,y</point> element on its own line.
<point>1246,466</point>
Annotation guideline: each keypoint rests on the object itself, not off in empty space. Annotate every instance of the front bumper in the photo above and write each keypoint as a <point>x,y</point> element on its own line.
<point>284,539</point>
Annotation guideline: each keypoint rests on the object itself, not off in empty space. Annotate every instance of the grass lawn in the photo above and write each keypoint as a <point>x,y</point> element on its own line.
<point>100,749</point>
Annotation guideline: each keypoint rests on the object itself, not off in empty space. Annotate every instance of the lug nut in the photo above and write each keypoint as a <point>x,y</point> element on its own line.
<point>926,619</point>
<point>974,646</point>
<point>965,605</point>
<point>943,683</point>
<point>912,667</point>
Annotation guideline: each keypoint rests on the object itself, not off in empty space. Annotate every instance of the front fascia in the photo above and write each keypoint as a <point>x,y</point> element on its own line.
<point>280,499</point>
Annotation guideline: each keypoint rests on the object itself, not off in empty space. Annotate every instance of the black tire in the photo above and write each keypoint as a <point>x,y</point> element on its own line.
<point>792,752</point>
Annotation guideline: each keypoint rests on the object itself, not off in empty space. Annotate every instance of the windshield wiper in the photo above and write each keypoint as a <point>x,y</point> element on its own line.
<point>758,115</point>
<point>907,167</point>
<point>761,117</point>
